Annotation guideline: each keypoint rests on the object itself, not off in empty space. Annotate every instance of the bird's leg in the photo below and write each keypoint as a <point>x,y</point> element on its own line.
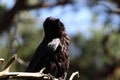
<point>65,75</point>
<point>52,77</point>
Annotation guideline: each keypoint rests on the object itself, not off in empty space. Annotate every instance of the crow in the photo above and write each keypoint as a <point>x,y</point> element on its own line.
<point>53,52</point>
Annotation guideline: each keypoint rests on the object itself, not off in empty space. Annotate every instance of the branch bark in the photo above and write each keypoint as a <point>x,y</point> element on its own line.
<point>14,75</point>
<point>1,61</point>
<point>17,75</point>
<point>74,74</point>
<point>11,75</point>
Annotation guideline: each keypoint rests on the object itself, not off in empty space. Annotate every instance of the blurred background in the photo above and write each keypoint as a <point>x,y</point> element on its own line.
<point>93,26</point>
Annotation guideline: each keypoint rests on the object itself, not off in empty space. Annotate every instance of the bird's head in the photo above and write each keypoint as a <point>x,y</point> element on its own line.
<point>53,27</point>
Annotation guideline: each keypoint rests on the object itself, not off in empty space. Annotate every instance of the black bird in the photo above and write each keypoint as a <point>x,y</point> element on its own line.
<point>53,52</point>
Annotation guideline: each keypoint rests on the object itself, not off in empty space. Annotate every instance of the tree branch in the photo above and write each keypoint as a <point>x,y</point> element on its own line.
<point>37,75</point>
<point>109,10</point>
<point>11,75</point>
<point>14,75</point>
<point>74,74</point>
<point>7,17</point>
<point>1,61</point>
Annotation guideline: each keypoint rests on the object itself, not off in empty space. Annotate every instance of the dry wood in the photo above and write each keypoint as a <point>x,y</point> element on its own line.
<point>15,75</point>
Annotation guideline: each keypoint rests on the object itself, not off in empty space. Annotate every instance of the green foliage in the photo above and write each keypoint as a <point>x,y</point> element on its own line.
<point>2,10</point>
<point>114,45</point>
<point>33,2</point>
<point>92,56</point>
<point>89,60</point>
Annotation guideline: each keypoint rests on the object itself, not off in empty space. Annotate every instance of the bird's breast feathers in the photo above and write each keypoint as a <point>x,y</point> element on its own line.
<point>54,44</point>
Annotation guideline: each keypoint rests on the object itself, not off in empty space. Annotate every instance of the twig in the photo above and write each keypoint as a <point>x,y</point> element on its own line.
<point>73,75</point>
<point>1,61</point>
<point>11,75</point>
<point>8,65</point>
<point>19,60</point>
<point>117,10</point>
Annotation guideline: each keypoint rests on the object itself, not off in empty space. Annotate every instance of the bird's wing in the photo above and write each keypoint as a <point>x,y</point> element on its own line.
<point>42,52</point>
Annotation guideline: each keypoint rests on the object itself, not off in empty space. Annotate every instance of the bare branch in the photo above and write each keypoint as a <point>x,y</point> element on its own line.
<point>19,60</point>
<point>109,10</point>
<point>73,75</point>
<point>37,75</point>
<point>1,61</point>
<point>116,11</point>
<point>13,75</point>
<point>8,65</point>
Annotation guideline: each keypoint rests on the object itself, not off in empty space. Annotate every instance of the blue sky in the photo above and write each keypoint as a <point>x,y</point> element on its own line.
<point>77,17</point>
<point>74,21</point>
<point>8,3</point>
